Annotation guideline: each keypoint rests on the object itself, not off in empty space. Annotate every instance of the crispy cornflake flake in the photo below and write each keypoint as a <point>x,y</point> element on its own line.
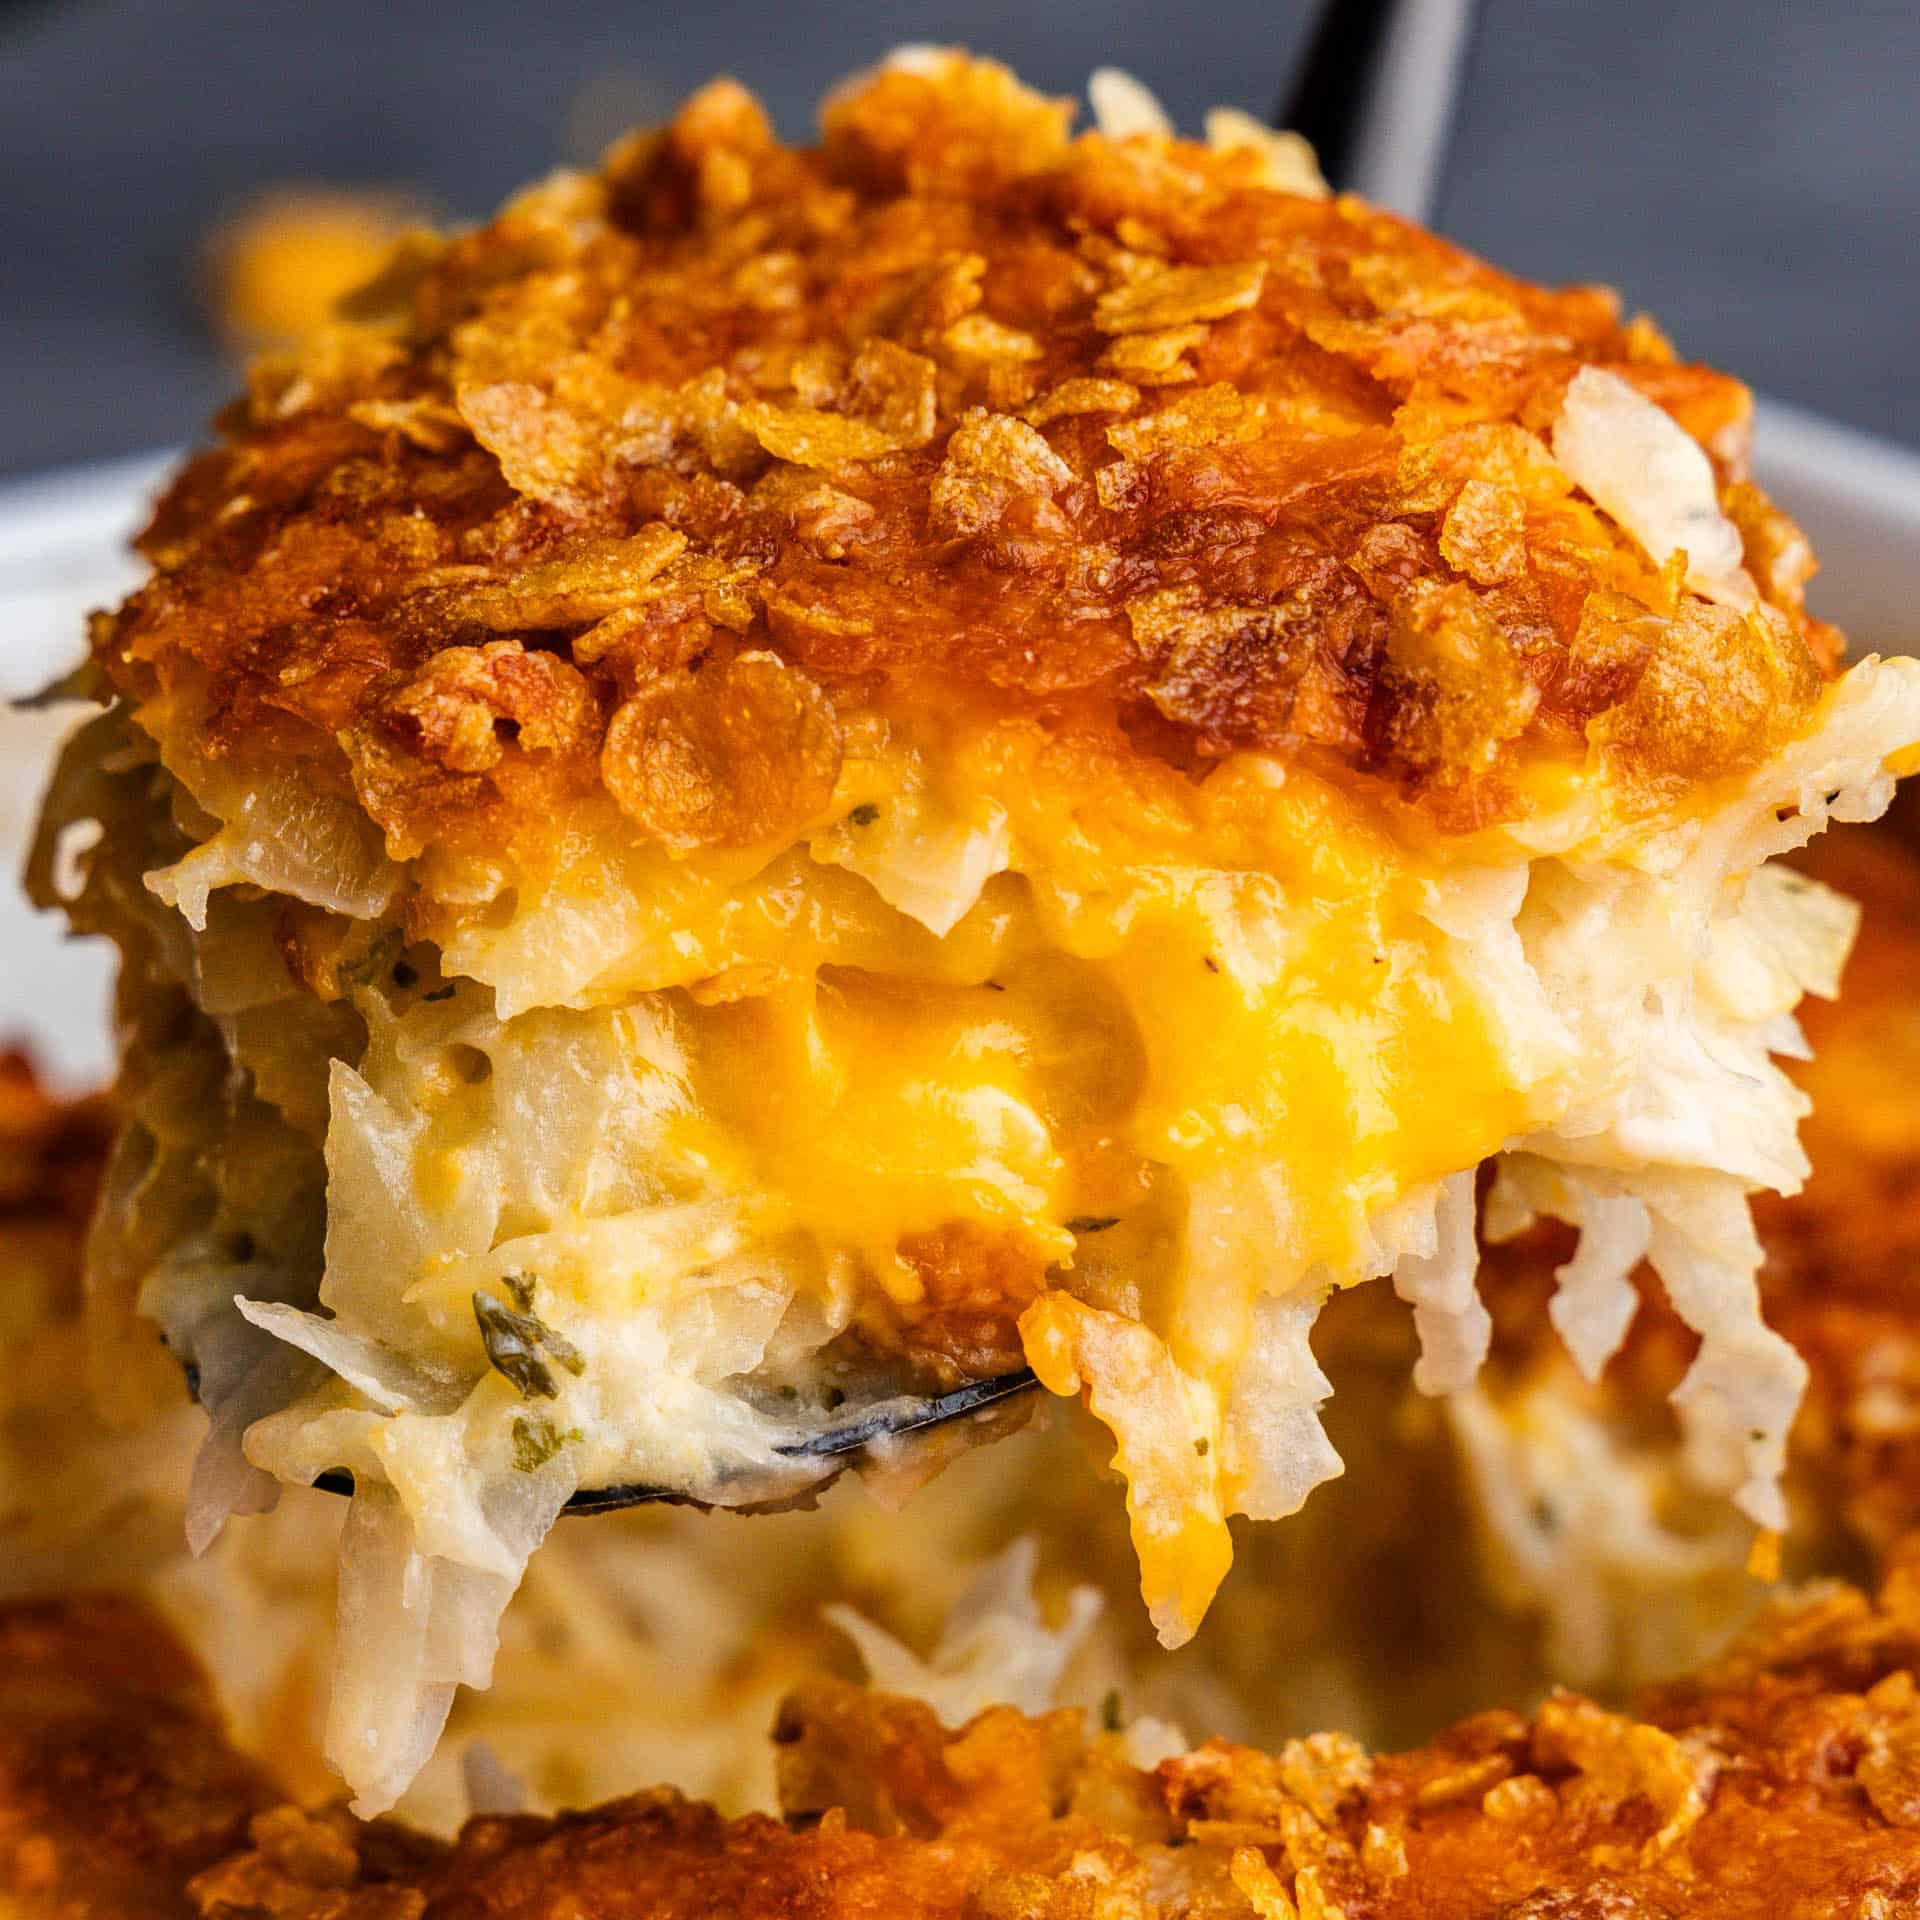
<point>1179,296</point>
<point>1229,671</point>
<point>950,292</point>
<point>700,414</point>
<point>727,757</point>
<point>458,703</point>
<point>1082,396</point>
<point>596,578</point>
<point>827,520</point>
<point>898,390</point>
<point>544,451</point>
<point>1324,1770</point>
<point>1720,690</point>
<point>1261,1886</point>
<point>1202,418</point>
<point>716,590</point>
<point>1484,533</point>
<point>1155,359</point>
<point>1468,1782</point>
<point>943,124</point>
<point>980,337</point>
<point>1620,1758</point>
<point>1383,1852</point>
<point>1010,385</point>
<point>1463,691</point>
<point>328,368</point>
<point>429,423</point>
<point>1287,161</point>
<point>1645,343</point>
<point>1120,485</point>
<point>1522,1797</point>
<point>811,437</point>
<point>1441,455</point>
<point>991,461</point>
<point>1889,1772</point>
<point>1778,553</point>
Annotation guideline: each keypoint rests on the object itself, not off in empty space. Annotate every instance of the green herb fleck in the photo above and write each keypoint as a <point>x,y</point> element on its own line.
<point>863,815</point>
<point>563,1350</point>
<point>521,1286</point>
<point>512,1341</point>
<point>1092,1222</point>
<point>1110,1710</point>
<point>378,957</point>
<point>535,1442</point>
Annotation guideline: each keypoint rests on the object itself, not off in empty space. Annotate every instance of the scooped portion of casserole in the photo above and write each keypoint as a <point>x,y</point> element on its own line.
<point>792,777</point>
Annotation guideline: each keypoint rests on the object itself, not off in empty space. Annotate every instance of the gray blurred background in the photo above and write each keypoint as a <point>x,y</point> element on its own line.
<point>1748,170</point>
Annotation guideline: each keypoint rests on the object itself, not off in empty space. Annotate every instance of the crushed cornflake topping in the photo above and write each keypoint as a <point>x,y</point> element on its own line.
<point>1178,296</point>
<point>1202,418</point>
<point>724,395</point>
<point>1157,358</point>
<point>811,437</point>
<point>1082,396</point>
<point>1287,162</point>
<point>1620,1758</point>
<point>992,460</point>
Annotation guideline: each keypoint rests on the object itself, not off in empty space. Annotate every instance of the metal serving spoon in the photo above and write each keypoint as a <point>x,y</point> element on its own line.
<point>834,1447</point>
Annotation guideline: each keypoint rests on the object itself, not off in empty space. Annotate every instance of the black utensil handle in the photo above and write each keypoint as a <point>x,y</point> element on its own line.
<point>1328,99</point>
<point>1376,94</point>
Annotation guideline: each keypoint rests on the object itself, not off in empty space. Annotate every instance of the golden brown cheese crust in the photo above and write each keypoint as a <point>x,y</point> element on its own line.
<point>116,1781</point>
<point>1785,1779</point>
<point>661,478</point>
<point>51,1153</point>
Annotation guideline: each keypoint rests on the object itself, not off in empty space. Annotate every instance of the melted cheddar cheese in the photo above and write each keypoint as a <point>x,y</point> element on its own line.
<point>1166,1049</point>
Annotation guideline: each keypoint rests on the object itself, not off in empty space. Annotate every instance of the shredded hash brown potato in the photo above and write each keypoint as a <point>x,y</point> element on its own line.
<point>656,1645</point>
<point>794,776</point>
<point>1577,1487</point>
<point>1780,1780</point>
